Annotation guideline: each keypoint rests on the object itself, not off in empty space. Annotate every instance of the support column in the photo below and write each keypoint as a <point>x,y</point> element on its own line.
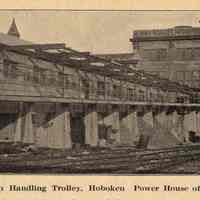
<point>1,67</point>
<point>41,135</point>
<point>136,127</point>
<point>145,120</point>
<point>169,121</point>
<point>91,127</point>
<point>198,123</point>
<point>164,118</point>
<point>116,126</point>
<point>24,125</point>
<point>191,122</point>
<point>58,130</point>
<point>173,123</point>
<point>129,128</point>
<point>112,119</point>
<point>28,137</point>
<point>163,136</point>
<point>148,118</point>
<point>67,130</point>
<point>18,128</point>
<point>160,118</point>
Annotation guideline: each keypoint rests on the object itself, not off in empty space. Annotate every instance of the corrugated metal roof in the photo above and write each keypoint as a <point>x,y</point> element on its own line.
<point>12,40</point>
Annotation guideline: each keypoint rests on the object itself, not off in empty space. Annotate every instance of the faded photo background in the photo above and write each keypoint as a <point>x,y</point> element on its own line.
<point>94,31</point>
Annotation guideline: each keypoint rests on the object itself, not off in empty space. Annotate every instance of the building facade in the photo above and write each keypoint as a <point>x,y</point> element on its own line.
<point>172,53</point>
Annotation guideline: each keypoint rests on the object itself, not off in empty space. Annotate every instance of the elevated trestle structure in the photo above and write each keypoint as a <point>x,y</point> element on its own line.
<point>53,96</point>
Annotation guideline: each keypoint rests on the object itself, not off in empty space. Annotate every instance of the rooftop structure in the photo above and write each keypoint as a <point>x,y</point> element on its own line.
<point>170,53</point>
<point>129,60</point>
<point>176,33</point>
<point>13,30</point>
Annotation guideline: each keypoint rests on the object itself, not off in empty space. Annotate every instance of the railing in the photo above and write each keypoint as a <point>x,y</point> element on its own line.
<point>65,85</point>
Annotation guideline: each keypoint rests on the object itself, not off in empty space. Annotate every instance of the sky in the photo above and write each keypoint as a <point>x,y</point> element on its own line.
<point>94,31</point>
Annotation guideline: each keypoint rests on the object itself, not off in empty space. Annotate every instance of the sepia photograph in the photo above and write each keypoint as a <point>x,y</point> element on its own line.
<point>100,92</point>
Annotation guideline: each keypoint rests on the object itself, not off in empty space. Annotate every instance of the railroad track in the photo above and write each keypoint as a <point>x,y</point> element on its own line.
<point>124,161</point>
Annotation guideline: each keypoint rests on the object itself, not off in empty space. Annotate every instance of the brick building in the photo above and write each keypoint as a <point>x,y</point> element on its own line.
<point>172,53</point>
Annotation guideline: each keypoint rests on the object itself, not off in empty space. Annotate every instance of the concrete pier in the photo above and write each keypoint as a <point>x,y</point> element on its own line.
<point>18,128</point>
<point>28,137</point>
<point>58,128</point>
<point>129,132</point>
<point>53,129</point>
<point>175,124</point>
<point>198,122</point>
<point>54,126</point>
<point>160,121</point>
<point>67,142</point>
<point>190,123</point>
<point>24,125</point>
<point>41,135</point>
<point>161,118</point>
<point>161,134</point>
<point>91,128</point>
<point>113,119</point>
<point>148,118</point>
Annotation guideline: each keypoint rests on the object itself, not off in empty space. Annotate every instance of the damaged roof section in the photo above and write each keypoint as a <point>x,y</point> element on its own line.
<point>123,58</point>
